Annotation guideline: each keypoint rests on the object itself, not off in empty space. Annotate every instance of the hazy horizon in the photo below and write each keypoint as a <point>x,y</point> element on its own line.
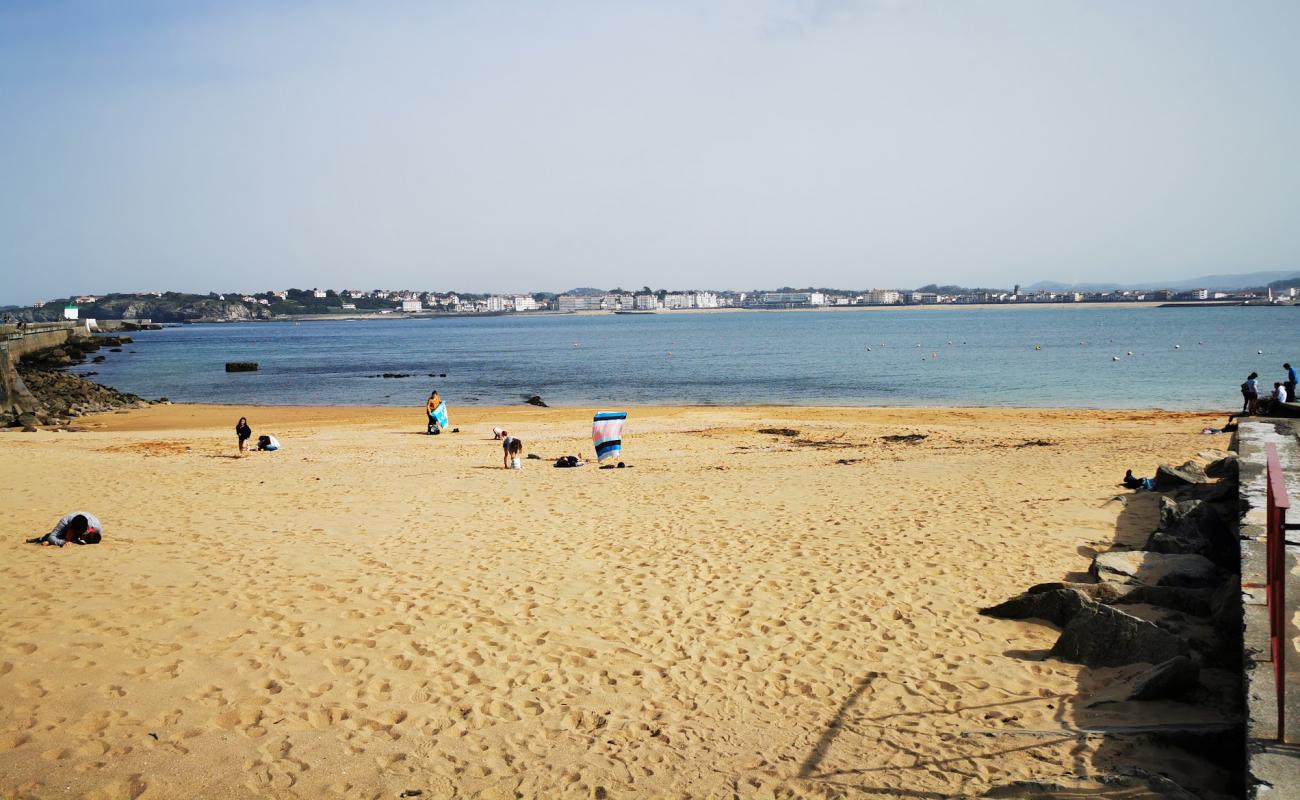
<point>496,147</point>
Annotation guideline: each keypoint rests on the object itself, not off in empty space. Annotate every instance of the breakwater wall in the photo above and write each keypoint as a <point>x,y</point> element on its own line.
<point>15,343</point>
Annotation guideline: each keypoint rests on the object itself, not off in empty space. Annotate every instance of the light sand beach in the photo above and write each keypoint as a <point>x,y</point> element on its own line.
<point>371,610</point>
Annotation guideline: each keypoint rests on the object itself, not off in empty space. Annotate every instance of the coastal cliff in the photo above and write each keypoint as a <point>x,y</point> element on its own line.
<point>168,307</point>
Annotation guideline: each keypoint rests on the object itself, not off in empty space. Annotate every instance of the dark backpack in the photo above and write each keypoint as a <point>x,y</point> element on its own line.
<point>1245,388</point>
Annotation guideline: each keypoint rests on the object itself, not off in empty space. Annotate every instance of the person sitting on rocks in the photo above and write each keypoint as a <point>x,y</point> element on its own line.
<point>79,527</point>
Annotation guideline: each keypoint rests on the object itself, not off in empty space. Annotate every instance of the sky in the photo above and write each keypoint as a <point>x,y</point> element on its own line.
<point>728,144</point>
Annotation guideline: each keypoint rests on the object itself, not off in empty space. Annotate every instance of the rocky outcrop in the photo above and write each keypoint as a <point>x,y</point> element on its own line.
<point>53,396</point>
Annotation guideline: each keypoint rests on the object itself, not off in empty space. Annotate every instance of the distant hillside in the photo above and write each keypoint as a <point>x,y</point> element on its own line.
<point>1247,280</point>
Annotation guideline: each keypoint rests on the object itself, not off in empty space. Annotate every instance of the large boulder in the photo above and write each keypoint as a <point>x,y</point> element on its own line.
<point>1169,478</point>
<point>1196,602</point>
<point>1057,606</point>
<point>1155,569</point>
<point>1171,678</point>
<point>1103,636</point>
<point>1195,526</point>
<point>1226,467</point>
<point>1103,592</point>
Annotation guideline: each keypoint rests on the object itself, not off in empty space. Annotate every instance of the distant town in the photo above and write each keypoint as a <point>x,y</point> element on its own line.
<point>177,306</point>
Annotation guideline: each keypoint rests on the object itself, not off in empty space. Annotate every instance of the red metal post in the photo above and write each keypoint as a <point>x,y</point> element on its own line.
<point>1278,503</point>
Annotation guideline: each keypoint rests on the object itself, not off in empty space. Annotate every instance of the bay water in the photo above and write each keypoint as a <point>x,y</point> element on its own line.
<point>1049,356</point>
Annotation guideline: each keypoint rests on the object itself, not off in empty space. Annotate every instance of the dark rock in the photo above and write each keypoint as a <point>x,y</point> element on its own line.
<point>1155,569</point>
<point>1195,526</point>
<point>1103,592</point>
<point>241,366</point>
<point>906,438</point>
<point>1170,678</point>
<point>1102,636</point>
<point>1222,492</point>
<point>1169,478</point>
<point>442,374</point>
<point>1057,606</point>
<point>1194,469</point>
<point>114,349</point>
<point>536,400</point>
<point>99,359</point>
<point>27,420</point>
<point>29,429</point>
<point>1189,601</point>
<point>1226,467</point>
<point>779,431</point>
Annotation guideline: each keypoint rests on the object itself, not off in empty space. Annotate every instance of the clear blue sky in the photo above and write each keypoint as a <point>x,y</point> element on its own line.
<point>491,146</point>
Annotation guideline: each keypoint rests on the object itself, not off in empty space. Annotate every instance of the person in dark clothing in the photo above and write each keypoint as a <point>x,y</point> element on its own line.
<point>1289,383</point>
<point>244,433</point>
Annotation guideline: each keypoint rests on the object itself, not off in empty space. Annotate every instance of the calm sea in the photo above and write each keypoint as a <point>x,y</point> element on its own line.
<point>1181,358</point>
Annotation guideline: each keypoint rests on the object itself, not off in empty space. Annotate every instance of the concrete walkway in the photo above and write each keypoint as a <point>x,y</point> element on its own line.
<point>1274,767</point>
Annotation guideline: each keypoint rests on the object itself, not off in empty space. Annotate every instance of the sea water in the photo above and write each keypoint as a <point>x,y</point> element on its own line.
<point>1053,356</point>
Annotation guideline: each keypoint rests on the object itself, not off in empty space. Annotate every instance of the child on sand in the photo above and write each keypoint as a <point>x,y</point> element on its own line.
<point>511,453</point>
<point>79,527</point>
<point>243,432</point>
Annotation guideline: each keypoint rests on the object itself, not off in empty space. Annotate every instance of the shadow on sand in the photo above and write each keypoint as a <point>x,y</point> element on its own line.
<point>1120,742</point>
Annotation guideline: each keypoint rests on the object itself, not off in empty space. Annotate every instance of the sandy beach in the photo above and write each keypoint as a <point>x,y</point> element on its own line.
<point>371,611</point>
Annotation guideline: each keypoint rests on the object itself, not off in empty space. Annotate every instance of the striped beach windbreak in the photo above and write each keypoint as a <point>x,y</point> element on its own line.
<point>607,433</point>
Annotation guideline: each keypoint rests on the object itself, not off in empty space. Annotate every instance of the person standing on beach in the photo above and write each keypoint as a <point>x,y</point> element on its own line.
<point>435,400</point>
<point>244,433</point>
<point>1289,383</point>
<point>1250,393</point>
<point>79,527</point>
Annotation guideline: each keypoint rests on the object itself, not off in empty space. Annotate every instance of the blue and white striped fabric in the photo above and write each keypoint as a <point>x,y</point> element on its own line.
<point>440,415</point>
<point>607,434</point>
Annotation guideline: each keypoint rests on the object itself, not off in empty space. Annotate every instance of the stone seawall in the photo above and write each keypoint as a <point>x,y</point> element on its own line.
<point>14,396</point>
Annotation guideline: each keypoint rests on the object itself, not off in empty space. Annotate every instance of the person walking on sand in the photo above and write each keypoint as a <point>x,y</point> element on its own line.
<point>511,453</point>
<point>1250,393</point>
<point>244,433</point>
<point>79,527</point>
<point>1289,383</point>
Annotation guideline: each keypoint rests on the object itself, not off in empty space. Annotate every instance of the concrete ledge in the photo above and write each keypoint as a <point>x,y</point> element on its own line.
<point>1273,768</point>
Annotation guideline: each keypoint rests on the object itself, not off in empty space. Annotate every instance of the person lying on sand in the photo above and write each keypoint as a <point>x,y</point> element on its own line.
<point>79,527</point>
<point>569,461</point>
